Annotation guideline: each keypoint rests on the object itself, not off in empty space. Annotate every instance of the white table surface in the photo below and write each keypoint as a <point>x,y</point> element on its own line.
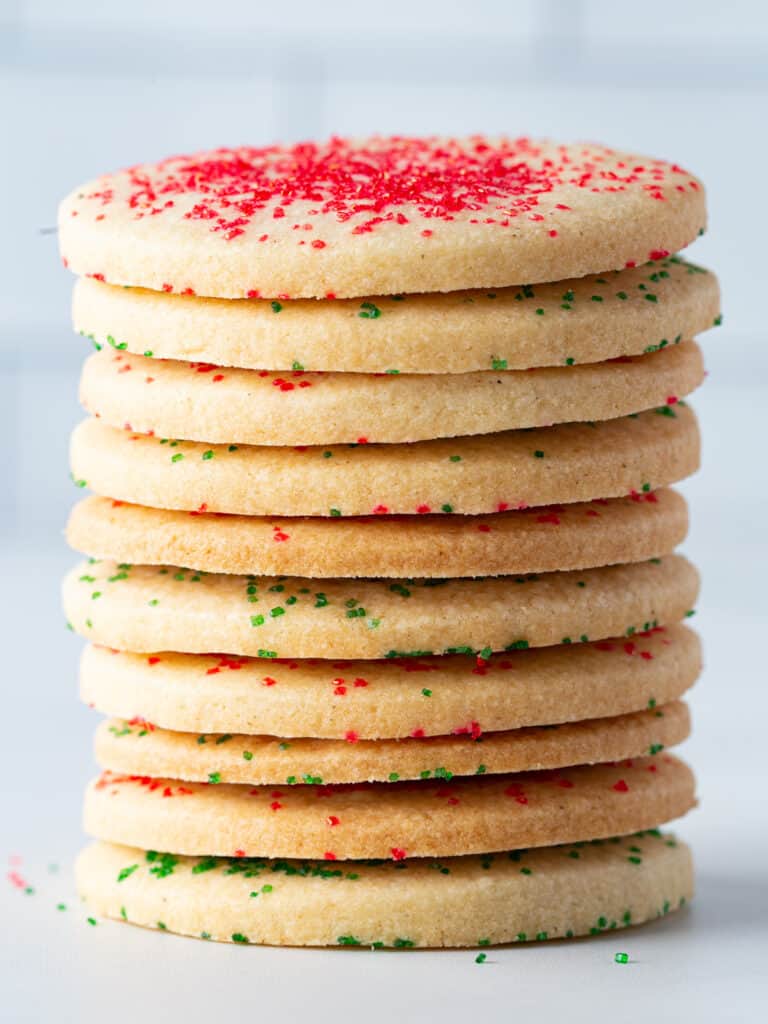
<point>708,963</point>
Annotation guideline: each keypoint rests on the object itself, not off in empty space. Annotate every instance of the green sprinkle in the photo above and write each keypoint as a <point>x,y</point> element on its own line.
<point>596,298</point>
<point>277,308</point>
<point>348,940</point>
<point>446,508</point>
<point>335,512</point>
<point>498,364</point>
<point>539,312</point>
<point>61,906</point>
<point>214,778</point>
<point>481,958</point>
<point>257,620</point>
<point>207,455</point>
<point>426,693</point>
<point>718,320</point>
<point>393,776</point>
<point>127,872</point>
<point>621,295</point>
<point>454,458</point>
<point>621,958</point>
<point>177,457</point>
<point>239,937</point>
<point>538,454</point>
<point>569,361</point>
<point>369,311</point>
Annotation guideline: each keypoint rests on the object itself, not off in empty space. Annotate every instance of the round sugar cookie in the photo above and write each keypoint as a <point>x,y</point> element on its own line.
<point>574,536</point>
<point>429,696</point>
<point>526,895</point>
<point>377,216</point>
<point>146,608</point>
<point>137,747</point>
<point>583,320</point>
<point>390,819</point>
<point>470,475</point>
<point>202,402</point>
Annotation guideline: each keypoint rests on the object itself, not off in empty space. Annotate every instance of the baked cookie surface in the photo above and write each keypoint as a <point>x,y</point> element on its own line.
<point>202,402</point>
<point>584,320</point>
<point>137,747</point>
<point>576,536</point>
<point>378,216</point>
<point>143,608</point>
<point>391,819</point>
<point>522,896</point>
<point>471,475</point>
<point>401,697</point>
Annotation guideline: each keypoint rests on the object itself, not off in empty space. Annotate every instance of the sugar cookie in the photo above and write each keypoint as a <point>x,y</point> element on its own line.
<point>471,475</point>
<point>202,402</point>
<point>584,320</point>
<point>523,896</point>
<point>378,216</point>
<point>160,609</point>
<point>137,747</point>
<point>390,819</point>
<point>428,696</point>
<point>574,536</point>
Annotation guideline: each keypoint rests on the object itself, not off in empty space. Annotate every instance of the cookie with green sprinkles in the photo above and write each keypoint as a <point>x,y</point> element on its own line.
<point>575,536</point>
<point>137,747</point>
<point>471,475</point>
<point>475,901</point>
<point>566,323</point>
<point>150,608</point>
<point>428,818</point>
<point>397,697</point>
<point>203,402</point>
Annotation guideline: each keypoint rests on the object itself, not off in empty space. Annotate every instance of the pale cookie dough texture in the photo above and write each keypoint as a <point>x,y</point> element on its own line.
<point>158,609</point>
<point>137,747</point>
<point>524,896</point>
<point>577,536</point>
<point>470,475</point>
<point>201,402</point>
<point>378,216</point>
<point>587,320</point>
<point>392,819</point>
<point>402,697</point>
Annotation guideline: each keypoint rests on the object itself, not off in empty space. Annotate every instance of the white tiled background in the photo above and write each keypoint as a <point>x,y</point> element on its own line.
<point>88,86</point>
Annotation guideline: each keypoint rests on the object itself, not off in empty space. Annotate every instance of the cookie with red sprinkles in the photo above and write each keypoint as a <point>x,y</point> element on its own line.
<point>457,694</point>
<point>582,320</point>
<point>471,475</point>
<point>552,537</point>
<point>585,888</point>
<point>393,820</point>
<point>378,216</point>
<point>137,747</point>
<point>150,609</point>
<point>203,402</point>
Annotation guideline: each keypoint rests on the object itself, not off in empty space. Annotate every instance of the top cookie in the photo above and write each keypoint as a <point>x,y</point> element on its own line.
<point>377,216</point>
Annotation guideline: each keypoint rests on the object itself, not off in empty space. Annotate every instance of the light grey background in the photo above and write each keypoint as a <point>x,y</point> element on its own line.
<point>86,87</point>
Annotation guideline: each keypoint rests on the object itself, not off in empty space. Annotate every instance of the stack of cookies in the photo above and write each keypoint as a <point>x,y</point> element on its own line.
<point>381,598</point>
